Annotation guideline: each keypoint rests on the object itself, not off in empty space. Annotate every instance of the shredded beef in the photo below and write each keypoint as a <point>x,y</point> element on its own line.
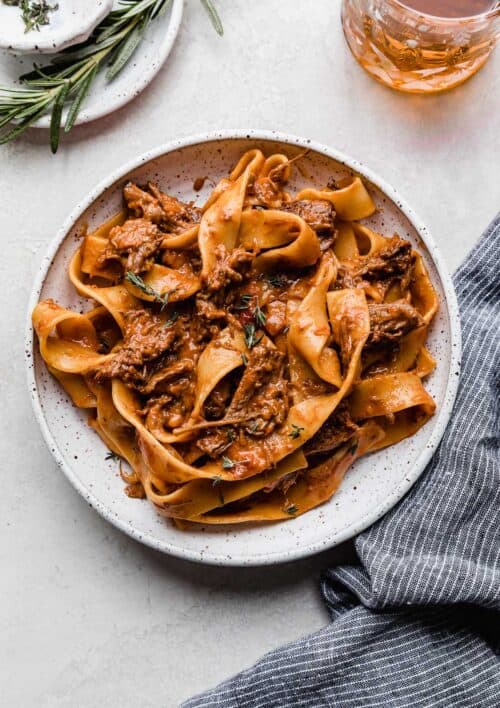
<point>145,339</point>
<point>389,322</point>
<point>262,394</point>
<point>394,260</point>
<point>168,212</point>
<point>318,213</point>
<point>230,267</point>
<point>214,442</point>
<point>135,243</point>
<point>337,429</point>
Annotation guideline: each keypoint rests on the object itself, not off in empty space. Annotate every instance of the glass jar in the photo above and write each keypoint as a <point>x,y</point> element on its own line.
<point>415,52</point>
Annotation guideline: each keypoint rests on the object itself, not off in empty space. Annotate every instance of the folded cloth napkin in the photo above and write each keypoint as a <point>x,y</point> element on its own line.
<point>414,623</point>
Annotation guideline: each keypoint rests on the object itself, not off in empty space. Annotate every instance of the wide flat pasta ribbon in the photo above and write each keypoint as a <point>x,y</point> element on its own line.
<point>351,203</point>
<point>310,331</point>
<point>282,240</point>
<point>220,223</point>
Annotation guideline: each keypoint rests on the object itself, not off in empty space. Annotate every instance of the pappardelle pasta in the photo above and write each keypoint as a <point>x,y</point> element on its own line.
<point>241,356</point>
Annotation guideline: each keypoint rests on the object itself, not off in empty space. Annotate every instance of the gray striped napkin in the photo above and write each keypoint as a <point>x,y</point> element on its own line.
<point>414,623</point>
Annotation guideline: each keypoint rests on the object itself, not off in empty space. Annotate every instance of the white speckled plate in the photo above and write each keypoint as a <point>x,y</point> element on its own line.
<point>374,484</point>
<point>104,96</point>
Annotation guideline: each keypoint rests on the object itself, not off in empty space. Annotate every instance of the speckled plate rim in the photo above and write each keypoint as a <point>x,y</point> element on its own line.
<point>110,105</point>
<point>443,416</point>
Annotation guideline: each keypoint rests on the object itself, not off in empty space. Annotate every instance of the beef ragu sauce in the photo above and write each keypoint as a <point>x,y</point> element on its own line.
<point>229,348</point>
<point>451,8</point>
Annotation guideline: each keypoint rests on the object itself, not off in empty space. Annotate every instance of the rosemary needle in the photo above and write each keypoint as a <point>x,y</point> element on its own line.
<point>69,78</point>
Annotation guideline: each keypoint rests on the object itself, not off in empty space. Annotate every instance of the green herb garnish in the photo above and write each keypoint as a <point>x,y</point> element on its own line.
<point>139,283</point>
<point>112,456</point>
<point>276,280</point>
<point>244,303</point>
<point>231,434</point>
<point>214,16</point>
<point>244,359</point>
<point>172,319</point>
<point>292,509</point>
<point>227,463</point>
<point>296,431</point>
<point>71,74</point>
<point>254,428</point>
<point>250,338</point>
<point>34,14</point>
<point>259,316</point>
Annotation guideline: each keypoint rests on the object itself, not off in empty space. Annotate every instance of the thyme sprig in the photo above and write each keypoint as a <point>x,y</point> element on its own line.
<point>258,315</point>
<point>296,431</point>
<point>34,14</point>
<point>69,77</point>
<point>139,283</point>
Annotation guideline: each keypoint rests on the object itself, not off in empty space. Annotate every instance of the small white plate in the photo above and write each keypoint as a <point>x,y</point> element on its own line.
<point>375,483</point>
<point>105,97</point>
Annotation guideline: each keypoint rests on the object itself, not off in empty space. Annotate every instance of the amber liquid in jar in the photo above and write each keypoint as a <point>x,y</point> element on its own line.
<point>451,8</point>
<point>421,53</point>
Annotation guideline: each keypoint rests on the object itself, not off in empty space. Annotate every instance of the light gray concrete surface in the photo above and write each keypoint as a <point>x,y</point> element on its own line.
<point>88,617</point>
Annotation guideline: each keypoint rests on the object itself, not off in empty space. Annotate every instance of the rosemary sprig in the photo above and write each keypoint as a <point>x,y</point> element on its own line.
<point>34,14</point>
<point>139,283</point>
<point>296,431</point>
<point>111,456</point>
<point>214,16</point>
<point>69,78</point>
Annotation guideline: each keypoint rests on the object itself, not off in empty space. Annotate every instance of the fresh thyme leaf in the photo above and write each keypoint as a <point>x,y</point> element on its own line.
<point>296,431</point>
<point>71,74</point>
<point>216,483</point>
<point>244,359</point>
<point>292,509</point>
<point>259,316</point>
<point>112,456</point>
<point>227,463</point>
<point>250,338</point>
<point>139,283</point>
<point>277,280</point>
<point>244,303</point>
<point>214,16</point>
<point>173,318</point>
<point>254,427</point>
<point>231,434</point>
